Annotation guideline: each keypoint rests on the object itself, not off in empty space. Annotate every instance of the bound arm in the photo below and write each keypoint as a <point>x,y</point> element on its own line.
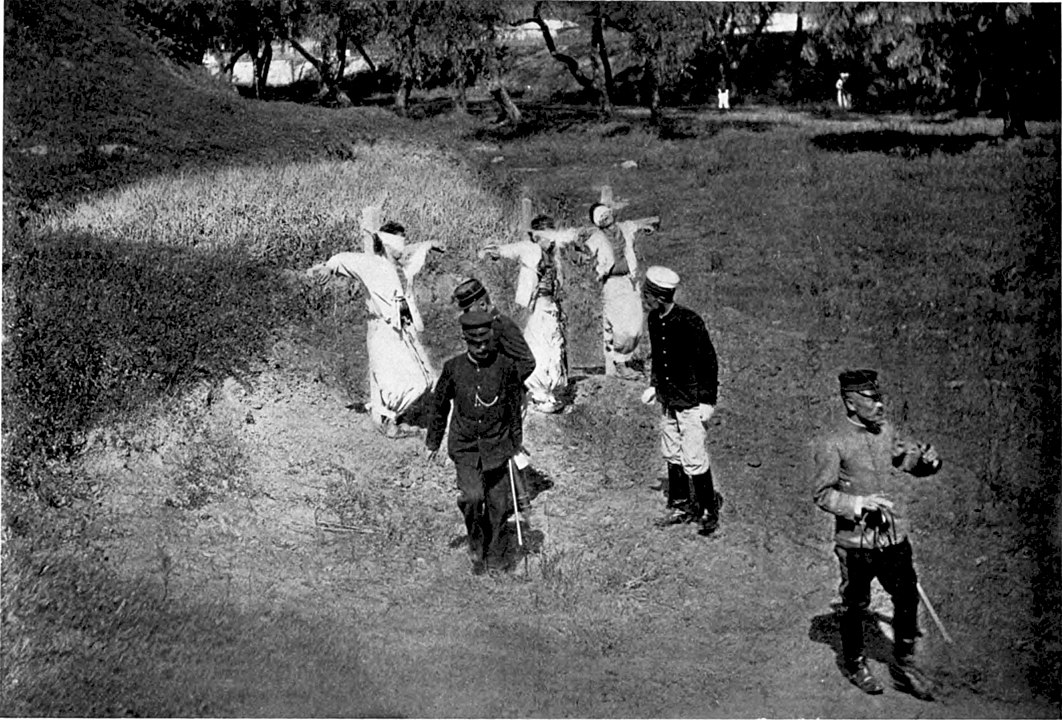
<point>510,251</point>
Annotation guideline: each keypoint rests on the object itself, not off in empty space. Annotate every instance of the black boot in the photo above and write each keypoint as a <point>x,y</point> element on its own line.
<point>678,498</point>
<point>859,674</point>
<point>707,502</point>
<point>906,675</point>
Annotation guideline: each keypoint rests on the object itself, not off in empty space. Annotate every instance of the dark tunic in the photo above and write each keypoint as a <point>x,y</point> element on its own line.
<point>485,429</point>
<point>685,367</point>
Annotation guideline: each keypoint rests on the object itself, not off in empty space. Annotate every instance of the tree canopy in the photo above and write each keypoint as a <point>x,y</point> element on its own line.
<point>969,57</point>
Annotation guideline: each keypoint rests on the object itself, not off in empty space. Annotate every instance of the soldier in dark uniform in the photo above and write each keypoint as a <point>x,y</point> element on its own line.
<point>685,381</point>
<point>471,296</point>
<point>484,389</point>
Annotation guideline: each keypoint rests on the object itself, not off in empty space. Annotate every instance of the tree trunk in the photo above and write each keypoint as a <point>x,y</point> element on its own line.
<point>502,97</point>
<point>336,90</point>
<point>253,52</point>
<point>262,62</point>
<point>403,91</point>
<point>230,66</point>
<point>460,92</point>
<point>599,62</point>
<point>498,90</point>
<point>602,51</point>
<point>341,57</point>
<point>1013,117</point>
<point>569,62</point>
<point>651,88</point>
<point>407,69</point>
<point>1013,111</point>
<point>978,93</point>
<point>365,56</point>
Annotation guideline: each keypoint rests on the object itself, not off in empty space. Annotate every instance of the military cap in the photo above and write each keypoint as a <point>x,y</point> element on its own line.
<point>661,282</point>
<point>468,292</point>
<point>474,323</point>
<point>858,380</point>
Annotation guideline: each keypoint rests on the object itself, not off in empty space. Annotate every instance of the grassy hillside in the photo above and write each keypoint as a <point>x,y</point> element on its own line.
<point>88,105</point>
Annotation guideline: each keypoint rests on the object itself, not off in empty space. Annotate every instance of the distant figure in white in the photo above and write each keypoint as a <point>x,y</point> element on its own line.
<point>844,99</point>
<point>538,289</point>
<point>399,369</point>
<point>611,244</point>
<point>724,96</point>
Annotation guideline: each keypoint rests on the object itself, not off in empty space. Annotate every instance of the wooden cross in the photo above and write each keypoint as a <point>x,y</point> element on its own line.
<point>560,237</point>
<point>370,224</point>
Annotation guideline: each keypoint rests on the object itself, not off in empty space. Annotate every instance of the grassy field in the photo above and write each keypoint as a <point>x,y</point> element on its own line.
<point>169,373</point>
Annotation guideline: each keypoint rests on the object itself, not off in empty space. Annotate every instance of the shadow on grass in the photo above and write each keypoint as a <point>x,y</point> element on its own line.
<point>100,327</point>
<point>536,482</point>
<point>899,142</point>
<point>542,119</point>
<point>825,629</point>
<point>80,641</point>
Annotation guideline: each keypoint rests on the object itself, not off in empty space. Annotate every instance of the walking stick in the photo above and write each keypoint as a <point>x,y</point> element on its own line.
<point>516,504</point>
<point>933,613</point>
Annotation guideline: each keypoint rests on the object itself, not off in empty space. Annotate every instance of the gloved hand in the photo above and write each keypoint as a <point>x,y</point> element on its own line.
<point>707,411</point>
<point>521,459</point>
<point>871,504</point>
<point>649,396</point>
<point>930,455</point>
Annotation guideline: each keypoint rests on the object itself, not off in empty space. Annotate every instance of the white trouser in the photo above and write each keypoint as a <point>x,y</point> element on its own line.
<point>684,441</point>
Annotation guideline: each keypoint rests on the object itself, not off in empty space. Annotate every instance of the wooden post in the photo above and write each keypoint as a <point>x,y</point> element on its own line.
<point>370,223</point>
<point>525,217</point>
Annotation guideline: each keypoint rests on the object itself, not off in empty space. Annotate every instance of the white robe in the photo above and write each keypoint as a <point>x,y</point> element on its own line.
<point>399,369</point>
<point>544,331</point>
<point>622,316</point>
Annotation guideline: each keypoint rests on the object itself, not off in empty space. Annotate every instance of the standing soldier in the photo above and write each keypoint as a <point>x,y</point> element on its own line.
<point>484,389</point>
<point>685,381</point>
<point>399,369</point>
<point>472,296</point>
<point>857,479</point>
<point>616,266</point>
<point>538,288</point>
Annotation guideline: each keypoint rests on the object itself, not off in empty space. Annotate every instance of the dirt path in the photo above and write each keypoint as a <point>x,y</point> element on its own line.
<point>338,586</point>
